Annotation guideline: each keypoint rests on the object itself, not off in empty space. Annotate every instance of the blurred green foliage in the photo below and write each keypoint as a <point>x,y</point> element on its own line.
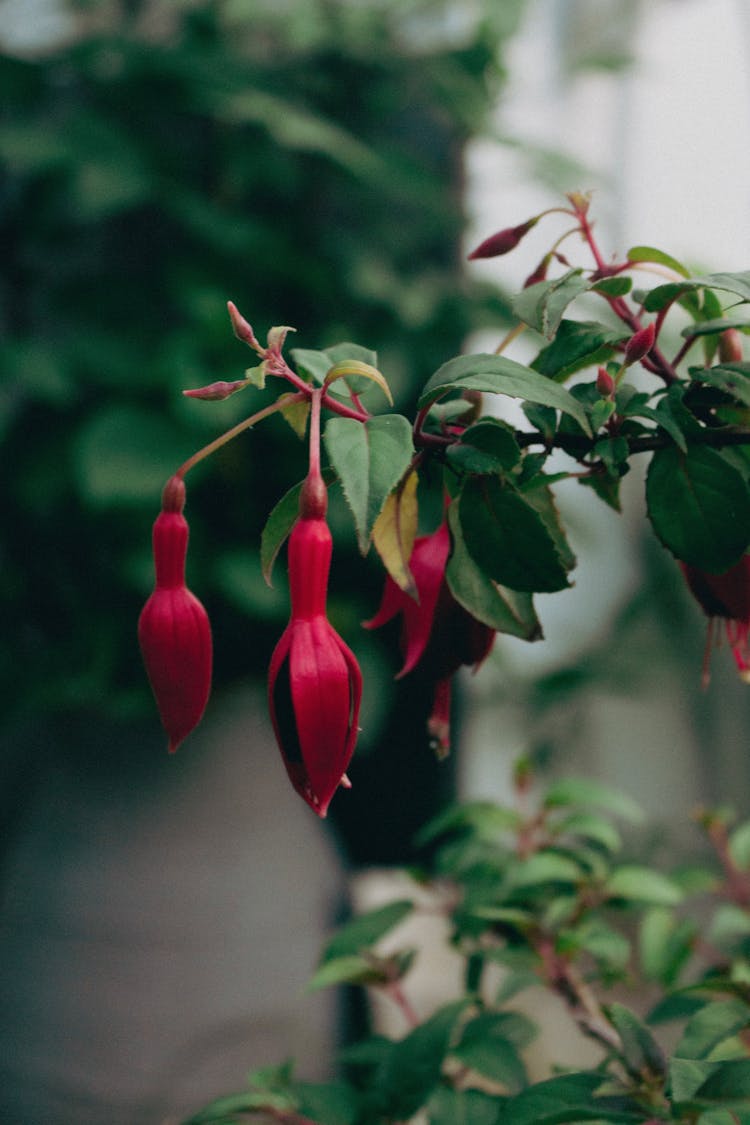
<point>302,159</point>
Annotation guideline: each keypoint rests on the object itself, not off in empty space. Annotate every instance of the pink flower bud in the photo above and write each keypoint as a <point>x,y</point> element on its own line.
<point>540,273</point>
<point>216,391</point>
<point>314,681</point>
<point>437,632</point>
<point>605,384</point>
<point>640,344</point>
<point>730,346</point>
<point>173,630</point>
<point>504,241</point>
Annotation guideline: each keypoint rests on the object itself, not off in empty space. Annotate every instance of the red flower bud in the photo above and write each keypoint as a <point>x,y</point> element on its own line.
<point>173,629</point>
<point>640,344</point>
<point>438,633</point>
<point>504,241</point>
<point>540,273</point>
<point>605,384</point>
<point>730,346</point>
<point>216,392</point>
<point>725,595</point>
<point>314,681</point>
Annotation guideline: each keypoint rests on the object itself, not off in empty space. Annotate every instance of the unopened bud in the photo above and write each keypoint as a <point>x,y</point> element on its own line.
<point>540,273</point>
<point>216,391</point>
<point>640,344</point>
<point>730,346</point>
<point>605,384</point>
<point>504,241</point>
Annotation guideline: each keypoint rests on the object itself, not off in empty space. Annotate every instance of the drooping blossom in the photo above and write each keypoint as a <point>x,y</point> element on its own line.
<point>725,596</point>
<point>173,629</point>
<point>314,681</point>
<point>437,632</point>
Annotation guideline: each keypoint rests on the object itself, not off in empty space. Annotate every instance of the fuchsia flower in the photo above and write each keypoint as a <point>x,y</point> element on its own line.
<point>173,629</point>
<point>438,633</point>
<point>314,681</point>
<point>725,595</point>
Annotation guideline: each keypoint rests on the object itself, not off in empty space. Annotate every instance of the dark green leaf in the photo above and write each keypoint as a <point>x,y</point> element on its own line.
<point>507,537</point>
<point>568,1098</point>
<point>448,1106</point>
<point>486,1048</point>
<point>330,1103</point>
<point>279,523</point>
<point>495,374</point>
<point>699,506</point>
<point>709,327</point>
<point>737,283</point>
<point>613,286</point>
<point>577,344</point>
<point>732,378</point>
<point>641,1052</point>
<point>728,1083</point>
<point>508,611</point>
<point>369,458</point>
<point>542,306</point>
<point>413,1066</point>
<point>488,446</point>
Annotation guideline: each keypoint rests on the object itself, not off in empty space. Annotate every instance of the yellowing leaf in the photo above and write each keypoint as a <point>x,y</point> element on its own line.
<point>256,376</point>
<point>296,413</point>
<point>277,335</point>
<point>394,533</point>
<point>356,367</point>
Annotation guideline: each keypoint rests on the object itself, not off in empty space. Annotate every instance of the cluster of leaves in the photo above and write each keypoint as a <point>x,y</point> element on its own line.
<point>537,895</point>
<point>508,541</point>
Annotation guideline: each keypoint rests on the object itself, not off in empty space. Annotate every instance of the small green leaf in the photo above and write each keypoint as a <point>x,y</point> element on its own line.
<point>542,306</point>
<point>279,523</point>
<point>351,969</point>
<point>485,1047</point>
<point>483,818</point>
<point>590,827</point>
<point>737,283</point>
<point>488,446</point>
<point>641,884</point>
<point>651,254</point>
<point>495,374</point>
<point>366,929</point>
<point>330,1103</point>
<point>584,792</point>
<point>507,538</point>
<point>568,1098</point>
<point>699,506</point>
<point>369,458</point>
<point>640,1050</point>
<point>507,611</point>
<point>710,1026</point>
<point>545,867</point>
<point>728,1083</point>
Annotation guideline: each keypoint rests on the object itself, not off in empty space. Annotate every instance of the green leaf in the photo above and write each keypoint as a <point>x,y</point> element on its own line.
<point>641,884</point>
<point>567,1098</point>
<point>330,1103</point>
<point>366,929</point>
<point>665,944</point>
<point>485,1047</point>
<point>699,506</point>
<point>613,286</point>
<point>732,378</point>
<point>413,1066</point>
<point>448,1106</point>
<point>710,1026</point>
<point>488,446</point>
<point>720,324</point>
<point>545,867</point>
<point>508,611</point>
<point>577,344</point>
<point>541,306</point>
<point>346,368</point>
<point>280,522</point>
<point>538,493</point>
<point>369,459</point>
<point>507,538</point>
<point>124,455</point>
<point>495,374</point>
<point>590,827</point>
<point>729,1082</point>
<point>640,1050</point>
<point>686,1076</point>
<point>351,969</point>
<point>483,818</point>
<point>651,254</point>
<point>583,792</point>
<point>737,283</point>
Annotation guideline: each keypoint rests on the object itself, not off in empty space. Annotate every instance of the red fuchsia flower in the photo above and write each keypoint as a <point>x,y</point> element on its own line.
<point>173,629</point>
<point>314,681</point>
<point>437,632</point>
<point>725,596</point>
<point>504,241</point>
